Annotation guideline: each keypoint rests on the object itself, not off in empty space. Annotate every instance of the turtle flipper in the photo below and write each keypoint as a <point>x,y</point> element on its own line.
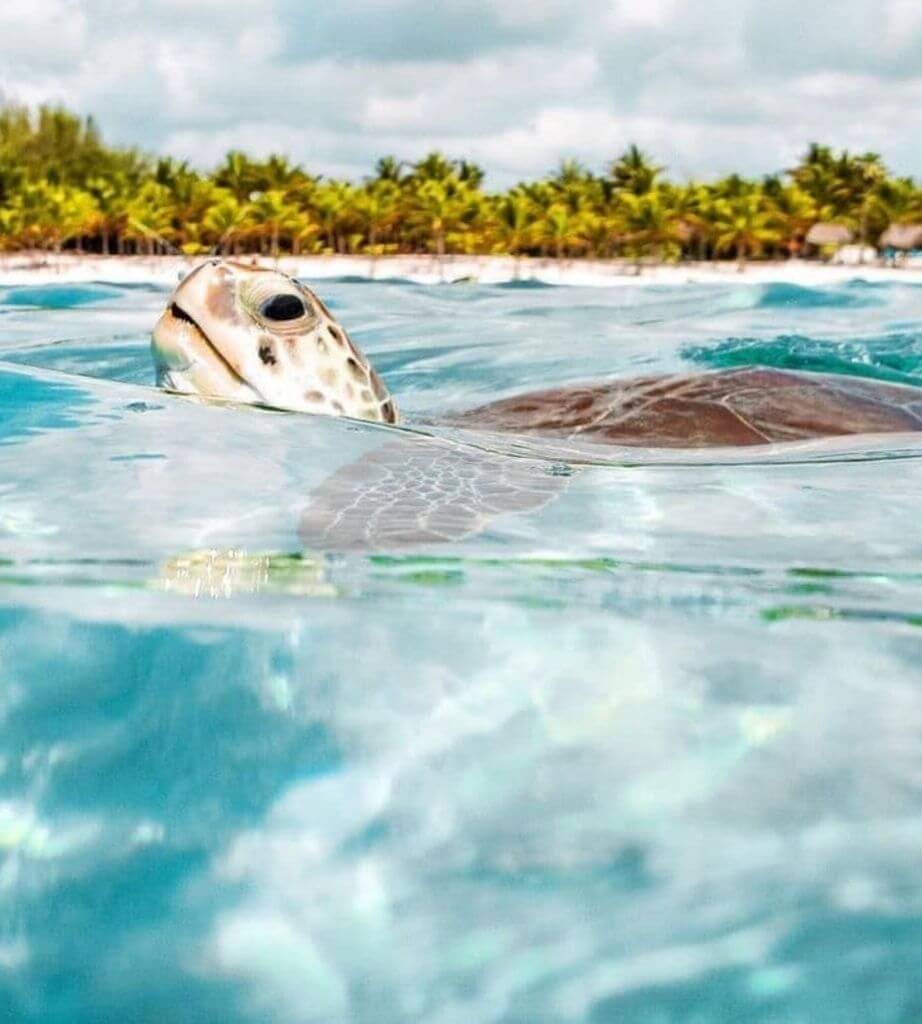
<point>421,491</point>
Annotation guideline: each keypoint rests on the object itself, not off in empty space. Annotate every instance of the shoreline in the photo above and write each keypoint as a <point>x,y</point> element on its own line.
<point>32,268</point>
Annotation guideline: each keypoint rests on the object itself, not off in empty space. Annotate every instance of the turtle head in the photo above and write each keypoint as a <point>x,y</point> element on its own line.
<point>255,335</point>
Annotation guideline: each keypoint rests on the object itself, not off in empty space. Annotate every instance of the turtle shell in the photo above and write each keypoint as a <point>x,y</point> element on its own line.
<point>735,407</point>
<point>417,490</point>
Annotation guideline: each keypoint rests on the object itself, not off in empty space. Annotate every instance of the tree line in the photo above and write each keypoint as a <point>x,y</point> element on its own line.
<point>62,187</point>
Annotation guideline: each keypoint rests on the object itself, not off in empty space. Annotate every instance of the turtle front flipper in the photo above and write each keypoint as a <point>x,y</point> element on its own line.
<point>420,491</point>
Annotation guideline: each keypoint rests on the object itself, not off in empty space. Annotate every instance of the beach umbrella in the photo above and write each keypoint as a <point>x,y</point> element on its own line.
<point>829,234</point>
<point>902,236</point>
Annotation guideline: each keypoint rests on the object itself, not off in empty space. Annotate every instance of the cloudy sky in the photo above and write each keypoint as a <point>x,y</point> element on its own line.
<point>707,85</point>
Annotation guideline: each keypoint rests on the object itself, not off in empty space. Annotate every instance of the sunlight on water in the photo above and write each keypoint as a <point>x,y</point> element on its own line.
<point>645,750</point>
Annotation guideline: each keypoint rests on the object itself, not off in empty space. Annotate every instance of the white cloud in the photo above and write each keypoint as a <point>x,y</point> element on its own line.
<point>648,13</point>
<point>389,113</point>
<point>519,85</point>
<point>36,39</point>
<point>902,18</point>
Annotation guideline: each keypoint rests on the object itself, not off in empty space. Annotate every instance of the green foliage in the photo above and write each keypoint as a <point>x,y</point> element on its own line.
<point>61,186</point>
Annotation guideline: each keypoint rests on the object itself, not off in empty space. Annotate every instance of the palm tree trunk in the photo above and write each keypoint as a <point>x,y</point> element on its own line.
<point>440,252</point>
<point>372,244</point>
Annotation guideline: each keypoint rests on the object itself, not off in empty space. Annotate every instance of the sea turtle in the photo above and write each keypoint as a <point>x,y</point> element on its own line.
<point>255,335</point>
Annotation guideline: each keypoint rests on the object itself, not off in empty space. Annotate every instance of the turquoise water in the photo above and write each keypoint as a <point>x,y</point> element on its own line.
<point>646,750</point>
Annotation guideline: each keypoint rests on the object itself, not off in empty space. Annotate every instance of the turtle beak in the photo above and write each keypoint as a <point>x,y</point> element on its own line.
<point>172,346</point>
<point>187,362</point>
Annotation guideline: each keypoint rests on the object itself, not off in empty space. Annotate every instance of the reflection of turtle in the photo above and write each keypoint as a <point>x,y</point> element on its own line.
<point>224,573</point>
<point>253,335</point>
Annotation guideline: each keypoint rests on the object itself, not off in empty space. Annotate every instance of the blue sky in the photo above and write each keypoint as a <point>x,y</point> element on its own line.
<point>707,86</point>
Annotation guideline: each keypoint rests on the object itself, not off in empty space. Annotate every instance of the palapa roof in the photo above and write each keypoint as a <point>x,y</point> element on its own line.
<point>829,234</point>
<point>902,236</point>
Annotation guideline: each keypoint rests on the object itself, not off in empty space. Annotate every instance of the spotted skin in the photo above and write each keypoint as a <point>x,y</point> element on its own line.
<point>216,339</point>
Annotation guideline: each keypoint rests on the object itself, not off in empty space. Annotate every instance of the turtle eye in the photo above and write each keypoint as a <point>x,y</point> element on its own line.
<point>283,307</point>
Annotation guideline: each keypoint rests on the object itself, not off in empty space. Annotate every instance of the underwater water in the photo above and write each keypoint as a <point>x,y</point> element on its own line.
<point>645,749</point>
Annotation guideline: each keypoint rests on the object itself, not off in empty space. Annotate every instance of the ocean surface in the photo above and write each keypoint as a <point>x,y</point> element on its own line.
<point>639,741</point>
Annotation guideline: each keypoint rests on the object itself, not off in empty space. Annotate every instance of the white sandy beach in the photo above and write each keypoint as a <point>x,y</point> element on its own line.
<point>42,268</point>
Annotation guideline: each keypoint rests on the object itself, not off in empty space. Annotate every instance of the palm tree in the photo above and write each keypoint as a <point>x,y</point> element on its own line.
<point>794,212</point>
<point>744,226</point>
<point>898,201</point>
<point>111,195</point>
<point>514,225</point>
<point>819,174</point>
<point>634,172</point>
<point>576,188</point>
<point>433,167</point>
<point>389,168</point>
<point>691,206</point>
<point>238,175</point>
<point>272,215</point>
<point>149,218</point>
<point>376,212</point>
<point>439,206</point>
<point>226,220</point>
<point>600,233</point>
<point>278,173</point>
<point>471,173</point>
<point>46,215</point>
<point>561,231</point>
<point>333,207</point>
<point>304,234</point>
<point>649,225</point>
<point>869,174</point>
<point>244,176</point>
<point>60,185</point>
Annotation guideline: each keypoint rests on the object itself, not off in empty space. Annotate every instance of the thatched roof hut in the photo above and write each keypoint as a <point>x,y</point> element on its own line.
<point>829,234</point>
<point>902,236</point>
